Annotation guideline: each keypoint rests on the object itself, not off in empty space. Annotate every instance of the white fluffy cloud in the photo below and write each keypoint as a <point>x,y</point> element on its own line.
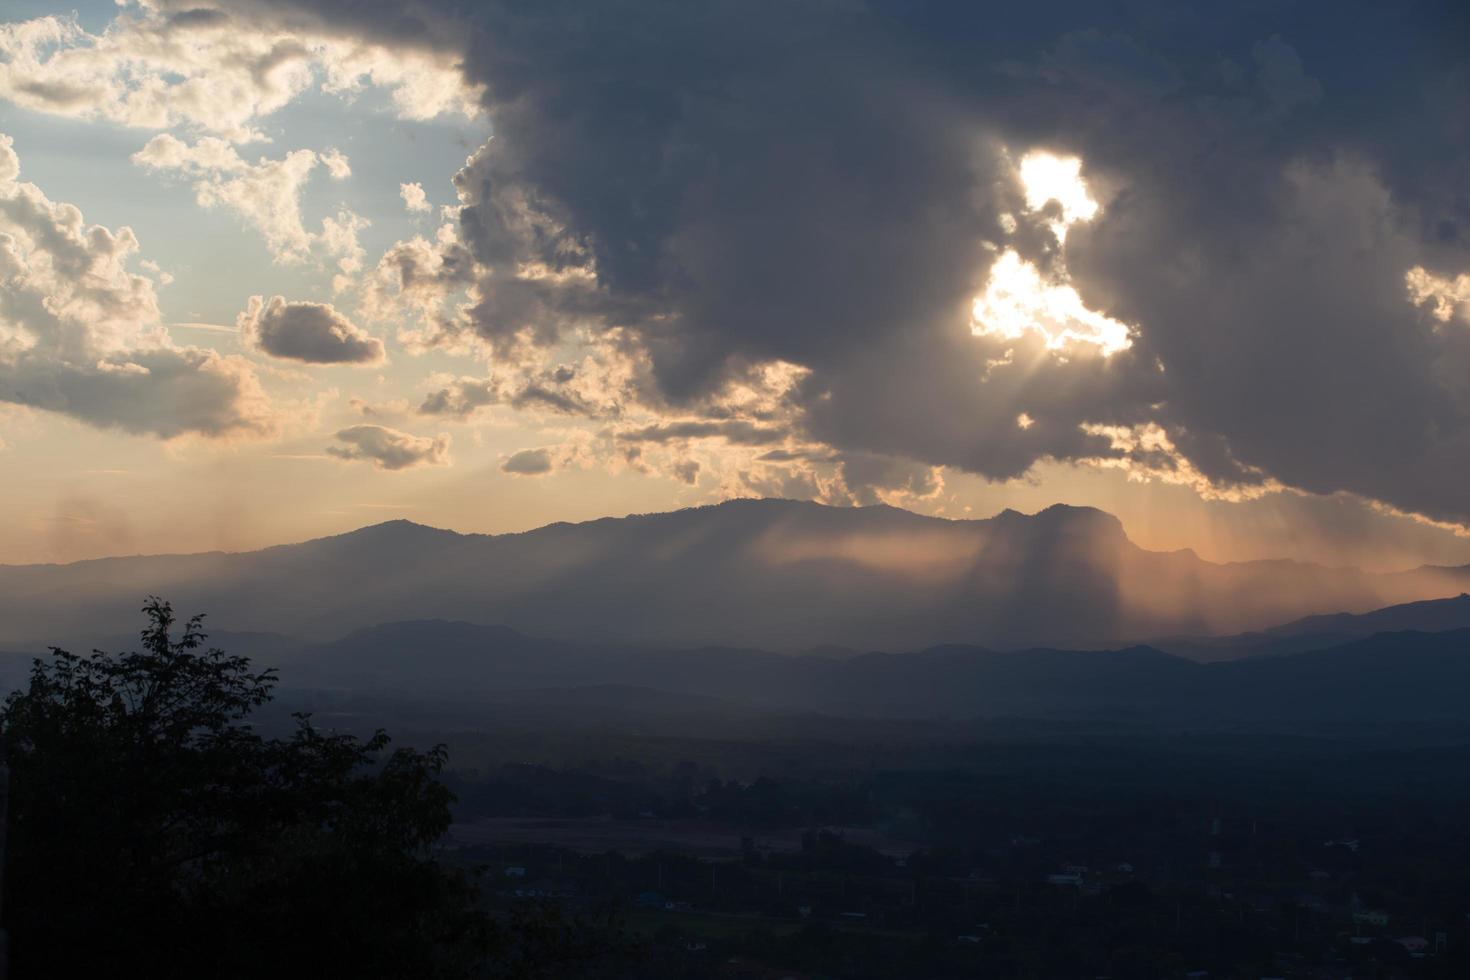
<point>209,69</point>
<point>414,198</point>
<point>312,332</point>
<point>390,449</point>
<point>337,164</point>
<point>80,333</point>
<point>338,239</point>
<point>429,289</point>
<point>266,195</point>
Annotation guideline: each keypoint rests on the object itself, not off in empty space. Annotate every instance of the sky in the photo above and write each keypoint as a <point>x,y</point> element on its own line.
<point>271,270</point>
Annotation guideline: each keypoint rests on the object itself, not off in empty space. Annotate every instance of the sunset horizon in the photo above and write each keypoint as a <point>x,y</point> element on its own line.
<point>371,522</point>
<point>815,490</point>
<point>363,283</point>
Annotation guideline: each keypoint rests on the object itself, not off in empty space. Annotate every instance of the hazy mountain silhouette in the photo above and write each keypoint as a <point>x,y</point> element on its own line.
<point>1427,616</point>
<point>773,574</point>
<point>1387,678</point>
<point>1320,632</point>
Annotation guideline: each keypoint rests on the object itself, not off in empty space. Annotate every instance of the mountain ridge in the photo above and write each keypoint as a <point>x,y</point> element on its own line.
<point>1005,514</point>
<point>1327,630</point>
<point>764,573</point>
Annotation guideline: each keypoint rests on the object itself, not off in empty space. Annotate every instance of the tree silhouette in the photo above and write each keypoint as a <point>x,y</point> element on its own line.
<point>154,832</point>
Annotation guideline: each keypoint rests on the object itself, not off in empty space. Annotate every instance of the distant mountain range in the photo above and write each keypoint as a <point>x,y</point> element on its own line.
<point>771,574</point>
<point>1389,678</point>
<point>1321,632</point>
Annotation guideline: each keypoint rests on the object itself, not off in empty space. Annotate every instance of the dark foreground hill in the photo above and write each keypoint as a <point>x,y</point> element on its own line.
<point>772,574</point>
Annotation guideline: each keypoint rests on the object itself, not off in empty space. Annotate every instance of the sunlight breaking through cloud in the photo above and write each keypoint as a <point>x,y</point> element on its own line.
<point>1048,178</point>
<point>1444,297</point>
<point>1018,299</point>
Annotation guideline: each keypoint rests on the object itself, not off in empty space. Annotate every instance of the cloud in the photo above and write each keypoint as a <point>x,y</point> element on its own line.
<point>312,332</point>
<point>528,462</point>
<point>414,198</point>
<point>1446,298</point>
<point>157,67</point>
<point>266,194</point>
<point>687,471</point>
<point>461,398</point>
<point>1282,77</point>
<point>338,238</point>
<point>390,449</point>
<point>81,335</point>
<point>1149,452</point>
<point>1316,370</point>
<point>389,411</point>
<point>603,384</point>
<point>337,164</point>
<point>419,278</point>
<point>840,205</point>
<point>788,222</point>
<point>874,479</point>
<point>738,431</point>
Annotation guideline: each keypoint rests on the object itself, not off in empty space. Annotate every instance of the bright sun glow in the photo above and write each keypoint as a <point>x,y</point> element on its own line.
<point>1443,296</point>
<point>1048,178</point>
<point>1018,299</point>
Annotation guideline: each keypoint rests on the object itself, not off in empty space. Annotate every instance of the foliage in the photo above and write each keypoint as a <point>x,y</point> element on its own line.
<point>154,831</point>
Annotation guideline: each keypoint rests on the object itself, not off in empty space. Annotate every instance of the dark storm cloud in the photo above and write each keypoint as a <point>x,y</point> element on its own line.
<point>1260,238</point>
<point>816,183</point>
<point>866,475</point>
